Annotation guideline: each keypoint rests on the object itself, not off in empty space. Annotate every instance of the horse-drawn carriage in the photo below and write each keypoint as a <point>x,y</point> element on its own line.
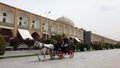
<point>58,49</point>
<point>62,49</point>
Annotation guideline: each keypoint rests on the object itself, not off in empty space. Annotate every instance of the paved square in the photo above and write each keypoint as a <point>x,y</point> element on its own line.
<point>92,59</point>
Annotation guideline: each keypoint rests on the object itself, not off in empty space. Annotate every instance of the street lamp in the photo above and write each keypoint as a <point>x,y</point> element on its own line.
<point>47,22</point>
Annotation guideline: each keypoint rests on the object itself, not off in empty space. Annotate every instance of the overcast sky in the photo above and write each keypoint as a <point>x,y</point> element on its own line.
<point>99,16</point>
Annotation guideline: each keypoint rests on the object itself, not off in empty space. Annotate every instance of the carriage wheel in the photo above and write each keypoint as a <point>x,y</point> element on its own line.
<point>60,55</point>
<point>52,55</point>
<point>71,53</point>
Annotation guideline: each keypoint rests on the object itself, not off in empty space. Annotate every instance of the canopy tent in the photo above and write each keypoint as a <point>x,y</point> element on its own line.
<point>25,34</point>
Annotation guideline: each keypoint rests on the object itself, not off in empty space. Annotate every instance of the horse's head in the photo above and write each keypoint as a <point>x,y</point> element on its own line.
<point>38,44</point>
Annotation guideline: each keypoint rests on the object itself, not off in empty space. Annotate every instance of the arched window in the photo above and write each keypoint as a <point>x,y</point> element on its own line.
<point>74,32</point>
<point>70,32</point>
<point>60,31</point>
<point>53,28</point>
<point>78,33</point>
<point>6,16</point>
<point>35,23</point>
<point>66,30</point>
<point>45,26</point>
<point>22,20</point>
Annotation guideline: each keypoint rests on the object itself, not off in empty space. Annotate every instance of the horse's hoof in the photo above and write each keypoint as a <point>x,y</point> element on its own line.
<point>43,60</point>
<point>39,59</point>
<point>51,58</point>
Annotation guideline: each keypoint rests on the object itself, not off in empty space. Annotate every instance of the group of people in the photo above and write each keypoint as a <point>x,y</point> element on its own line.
<point>63,44</point>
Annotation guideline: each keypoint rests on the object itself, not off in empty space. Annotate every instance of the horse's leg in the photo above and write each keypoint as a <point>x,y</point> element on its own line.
<point>38,56</point>
<point>44,53</point>
<point>52,54</point>
<point>43,58</point>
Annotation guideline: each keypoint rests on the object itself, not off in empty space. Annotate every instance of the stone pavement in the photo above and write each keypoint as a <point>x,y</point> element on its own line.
<point>92,59</point>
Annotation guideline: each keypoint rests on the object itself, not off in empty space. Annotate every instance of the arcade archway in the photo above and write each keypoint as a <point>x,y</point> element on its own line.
<point>6,33</point>
<point>36,36</point>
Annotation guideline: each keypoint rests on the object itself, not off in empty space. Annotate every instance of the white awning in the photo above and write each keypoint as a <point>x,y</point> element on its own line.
<point>5,27</point>
<point>53,34</point>
<point>77,39</point>
<point>45,33</point>
<point>25,34</point>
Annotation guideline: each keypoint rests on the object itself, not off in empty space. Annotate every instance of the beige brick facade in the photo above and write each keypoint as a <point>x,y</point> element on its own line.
<point>98,38</point>
<point>12,18</point>
<point>21,19</point>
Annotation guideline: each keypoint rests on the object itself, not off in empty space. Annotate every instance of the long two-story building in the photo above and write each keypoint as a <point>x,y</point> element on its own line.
<point>12,19</point>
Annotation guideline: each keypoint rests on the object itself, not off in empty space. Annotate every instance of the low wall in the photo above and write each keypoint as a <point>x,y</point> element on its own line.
<point>21,52</point>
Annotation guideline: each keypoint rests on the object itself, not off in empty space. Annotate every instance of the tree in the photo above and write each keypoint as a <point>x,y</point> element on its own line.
<point>2,45</point>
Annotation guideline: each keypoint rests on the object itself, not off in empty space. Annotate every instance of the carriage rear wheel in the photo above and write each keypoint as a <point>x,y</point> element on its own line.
<point>60,55</point>
<point>71,53</point>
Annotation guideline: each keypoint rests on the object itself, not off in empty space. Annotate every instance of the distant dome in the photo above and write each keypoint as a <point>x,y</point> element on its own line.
<point>65,20</point>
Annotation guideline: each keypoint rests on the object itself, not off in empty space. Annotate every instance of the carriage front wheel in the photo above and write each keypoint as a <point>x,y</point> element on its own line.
<point>71,53</point>
<point>60,55</point>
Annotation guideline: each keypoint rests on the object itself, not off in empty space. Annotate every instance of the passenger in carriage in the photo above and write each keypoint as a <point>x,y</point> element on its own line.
<point>66,42</point>
<point>67,45</point>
